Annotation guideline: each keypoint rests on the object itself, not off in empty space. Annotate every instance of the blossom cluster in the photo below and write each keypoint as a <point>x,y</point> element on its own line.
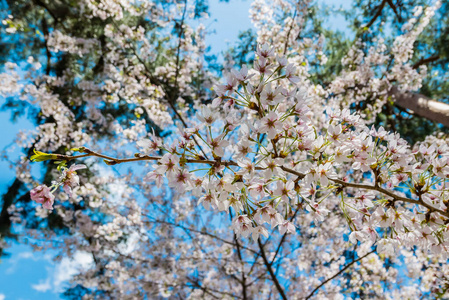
<point>266,157</point>
<point>69,180</point>
<point>267,154</point>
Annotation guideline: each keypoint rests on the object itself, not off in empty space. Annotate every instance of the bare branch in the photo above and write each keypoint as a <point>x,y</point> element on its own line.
<point>424,61</point>
<point>378,13</point>
<point>203,233</point>
<point>270,270</point>
<point>181,31</point>
<point>338,273</point>
<point>390,3</point>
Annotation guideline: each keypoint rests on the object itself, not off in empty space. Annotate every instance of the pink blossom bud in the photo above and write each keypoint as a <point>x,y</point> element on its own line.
<point>43,195</point>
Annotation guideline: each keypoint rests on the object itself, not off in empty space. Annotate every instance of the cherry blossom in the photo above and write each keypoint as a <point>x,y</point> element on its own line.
<point>43,195</point>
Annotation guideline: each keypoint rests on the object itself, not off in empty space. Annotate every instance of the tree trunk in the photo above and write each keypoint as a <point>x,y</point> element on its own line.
<point>422,106</point>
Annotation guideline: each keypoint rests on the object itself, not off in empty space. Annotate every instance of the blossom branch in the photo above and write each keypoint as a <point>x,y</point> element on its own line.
<point>390,194</point>
<point>113,161</point>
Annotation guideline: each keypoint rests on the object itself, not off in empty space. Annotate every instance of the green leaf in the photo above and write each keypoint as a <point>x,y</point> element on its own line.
<point>80,149</point>
<point>61,164</point>
<point>41,156</point>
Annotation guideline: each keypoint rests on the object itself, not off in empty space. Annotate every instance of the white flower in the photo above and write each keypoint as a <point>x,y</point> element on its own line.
<point>180,180</point>
<point>153,176</point>
<point>207,115</point>
<point>270,96</point>
<point>259,230</point>
<point>287,227</point>
<point>168,165</point>
<point>290,71</point>
<point>70,179</point>
<point>270,125</point>
<point>242,75</point>
<point>265,50</point>
<point>285,190</point>
<point>217,144</point>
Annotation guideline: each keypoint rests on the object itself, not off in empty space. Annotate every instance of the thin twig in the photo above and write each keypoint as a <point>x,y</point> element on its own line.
<point>270,271</point>
<point>239,253</point>
<point>201,232</point>
<point>338,273</point>
<point>284,236</point>
<point>289,30</point>
<point>170,99</point>
<point>181,31</point>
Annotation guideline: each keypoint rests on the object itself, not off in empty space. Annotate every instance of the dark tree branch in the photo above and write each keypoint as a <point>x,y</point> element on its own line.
<point>378,13</point>
<point>283,239</point>
<point>47,49</point>
<point>337,274</point>
<point>113,161</point>
<point>239,253</point>
<point>270,271</point>
<point>424,61</point>
<point>181,31</point>
<point>45,6</point>
<point>203,233</point>
<point>435,111</point>
<point>289,30</point>
<point>390,3</point>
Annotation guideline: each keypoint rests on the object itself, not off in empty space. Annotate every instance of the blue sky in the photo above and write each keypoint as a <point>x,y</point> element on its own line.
<point>33,275</point>
<point>227,19</point>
